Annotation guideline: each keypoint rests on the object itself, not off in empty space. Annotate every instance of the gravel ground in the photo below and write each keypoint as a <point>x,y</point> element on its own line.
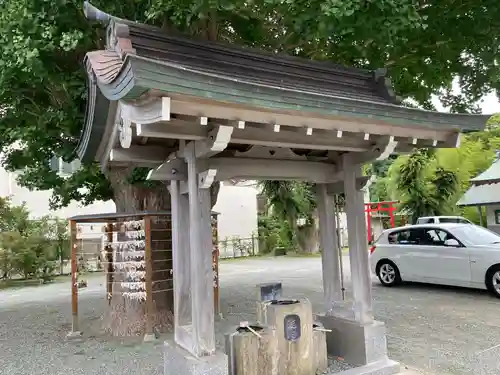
<point>434,329</point>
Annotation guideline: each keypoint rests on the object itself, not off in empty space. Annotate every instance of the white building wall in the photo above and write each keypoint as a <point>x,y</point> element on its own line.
<point>490,217</point>
<point>37,203</point>
<point>236,205</point>
<point>237,208</point>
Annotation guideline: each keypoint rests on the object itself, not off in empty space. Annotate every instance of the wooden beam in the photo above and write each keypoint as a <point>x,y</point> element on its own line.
<point>296,139</point>
<point>196,107</point>
<point>250,169</point>
<point>139,155</point>
<point>173,129</point>
<point>179,129</point>
<point>263,169</point>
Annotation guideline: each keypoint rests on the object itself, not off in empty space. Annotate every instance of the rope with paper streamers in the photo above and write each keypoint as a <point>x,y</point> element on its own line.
<point>129,257</point>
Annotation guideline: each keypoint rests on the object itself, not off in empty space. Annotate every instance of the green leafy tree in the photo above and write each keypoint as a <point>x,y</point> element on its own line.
<point>42,44</point>
<point>60,241</point>
<point>431,183</point>
<point>294,204</point>
<point>26,247</point>
<point>422,186</point>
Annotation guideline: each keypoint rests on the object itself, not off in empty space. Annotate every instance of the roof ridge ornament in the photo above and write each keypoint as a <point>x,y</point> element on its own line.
<point>384,85</point>
<point>94,14</point>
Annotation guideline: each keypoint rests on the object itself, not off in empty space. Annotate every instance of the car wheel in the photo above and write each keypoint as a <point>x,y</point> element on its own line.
<point>388,273</point>
<point>493,281</point>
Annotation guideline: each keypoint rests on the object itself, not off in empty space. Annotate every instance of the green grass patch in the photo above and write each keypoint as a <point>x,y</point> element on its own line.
<point>21,283</point>
<point>303,255</point>
<point>312,255</point>
<point>17,283</point>
<point>237,259</point>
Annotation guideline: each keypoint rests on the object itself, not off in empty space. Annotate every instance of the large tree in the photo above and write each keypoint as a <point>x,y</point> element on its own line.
<point>425,45</point>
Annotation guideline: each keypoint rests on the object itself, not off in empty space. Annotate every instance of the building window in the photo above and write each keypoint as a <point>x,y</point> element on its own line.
<point>497,216</point>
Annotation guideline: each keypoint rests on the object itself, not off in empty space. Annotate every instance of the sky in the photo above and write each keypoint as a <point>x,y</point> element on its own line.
<point>489,105</point>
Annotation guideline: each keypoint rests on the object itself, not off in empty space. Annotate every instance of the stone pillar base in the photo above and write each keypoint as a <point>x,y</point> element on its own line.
<point>74,335</point>
<point>358,344</point>
<point>148,337</point>
<point>178,361</point>
<point>384,367</point>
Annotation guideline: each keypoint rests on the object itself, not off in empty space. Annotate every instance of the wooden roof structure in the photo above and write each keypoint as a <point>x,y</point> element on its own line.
<point>150,92</point>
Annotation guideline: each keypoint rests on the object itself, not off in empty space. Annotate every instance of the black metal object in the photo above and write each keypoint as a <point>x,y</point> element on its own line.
<point>284,302</point>
<point>270,292</point>
<point>292,327</point>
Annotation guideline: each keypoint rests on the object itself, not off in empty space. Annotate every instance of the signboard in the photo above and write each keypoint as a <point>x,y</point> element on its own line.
<point>292,327</point>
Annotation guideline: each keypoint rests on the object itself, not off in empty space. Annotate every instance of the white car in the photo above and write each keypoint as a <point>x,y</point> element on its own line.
<point>456,254</point>
<point>442,219</point>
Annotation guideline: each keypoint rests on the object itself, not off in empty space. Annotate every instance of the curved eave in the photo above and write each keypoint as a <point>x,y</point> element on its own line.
<point>139,75</point>
<point>94,126</point>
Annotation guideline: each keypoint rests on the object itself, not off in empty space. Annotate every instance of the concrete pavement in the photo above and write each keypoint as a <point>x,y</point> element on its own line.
<point>436,329</point>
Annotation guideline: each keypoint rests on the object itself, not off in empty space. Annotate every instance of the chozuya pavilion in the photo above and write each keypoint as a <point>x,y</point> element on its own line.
<point>196,112</point>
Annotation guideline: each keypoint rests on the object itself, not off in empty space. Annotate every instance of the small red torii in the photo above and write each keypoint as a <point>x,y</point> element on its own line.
<point>384,206</point>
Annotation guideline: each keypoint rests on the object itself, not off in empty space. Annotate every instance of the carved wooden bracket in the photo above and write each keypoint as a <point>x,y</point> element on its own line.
<point>217,141</point>
<point>155,109</point>
<point>206,178</point>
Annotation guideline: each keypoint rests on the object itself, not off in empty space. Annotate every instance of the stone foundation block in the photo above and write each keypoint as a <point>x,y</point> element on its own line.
<point>384,367</point>
<point>358,344</point>
<point>178,361</point>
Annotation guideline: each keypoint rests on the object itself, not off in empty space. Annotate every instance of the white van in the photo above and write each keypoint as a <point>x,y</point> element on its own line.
<point>442,219</point>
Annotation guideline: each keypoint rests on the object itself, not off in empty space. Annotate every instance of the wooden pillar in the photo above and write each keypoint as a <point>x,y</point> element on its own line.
<point>109,262</point>
<point>149,280</point>
<point>75,328</point>
<point>181,254</point>
<point>215,269</point>
<point>330,252</point>
<point>200,235</point>
<point>358,245</point>
<point>215,265</point>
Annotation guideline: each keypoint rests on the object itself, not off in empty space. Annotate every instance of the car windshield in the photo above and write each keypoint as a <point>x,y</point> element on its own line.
<point>449,220</point>
<point>475,235</point>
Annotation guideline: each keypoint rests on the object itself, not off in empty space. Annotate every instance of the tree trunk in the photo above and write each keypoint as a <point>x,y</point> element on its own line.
<point>308,236</point>
<point>127,317</point>
<point>61,265</point>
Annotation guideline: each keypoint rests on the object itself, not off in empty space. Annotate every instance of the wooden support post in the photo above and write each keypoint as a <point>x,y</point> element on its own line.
<point>200,234</point>
<point>149,280</point>
<point>109,262</point>
<point>215,267</point>
<point>75,329</point>
<point>358,246</point>
<point>330,252</point>
<point>181,253</point>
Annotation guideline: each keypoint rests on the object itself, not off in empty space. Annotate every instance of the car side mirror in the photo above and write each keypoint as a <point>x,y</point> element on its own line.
<point>452,243</point>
